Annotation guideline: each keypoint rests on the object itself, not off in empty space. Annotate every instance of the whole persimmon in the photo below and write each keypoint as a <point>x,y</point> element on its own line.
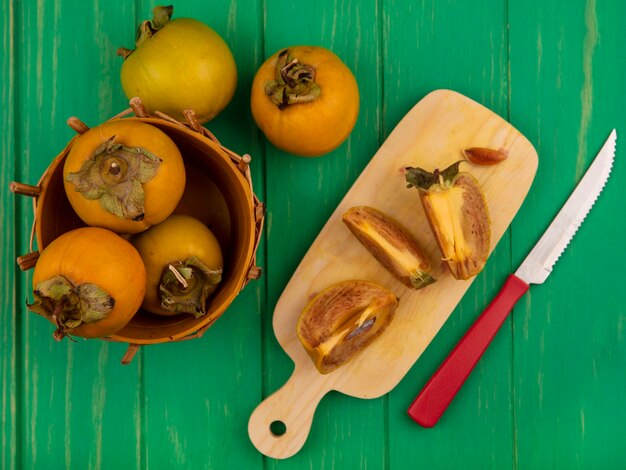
<point>305,100</point>
<point>89,282</point>
<point>184,263</point>
<point>179,64</point>
<point>124,175</point>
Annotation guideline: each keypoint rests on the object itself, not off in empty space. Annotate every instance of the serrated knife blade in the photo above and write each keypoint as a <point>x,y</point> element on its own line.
<point>538,264</point>
<point>442,387</point>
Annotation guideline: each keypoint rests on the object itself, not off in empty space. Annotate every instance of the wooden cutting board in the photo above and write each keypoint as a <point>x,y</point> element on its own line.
<point>432,135</point>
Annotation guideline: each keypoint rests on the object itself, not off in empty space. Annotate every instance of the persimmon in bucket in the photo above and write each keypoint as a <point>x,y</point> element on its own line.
<point>184,265</point>
<point>89,282</point>
<point>238,229</point>
<point>124,175</point>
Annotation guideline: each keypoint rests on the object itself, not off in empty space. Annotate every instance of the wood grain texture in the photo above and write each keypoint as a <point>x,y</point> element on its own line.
<point>548,392</point>
<point>9,339</point>
<point>71,393</point>
<point>463,46</point>
<point>566,71</point>
<point>303,192</point>
<point>198,394</point>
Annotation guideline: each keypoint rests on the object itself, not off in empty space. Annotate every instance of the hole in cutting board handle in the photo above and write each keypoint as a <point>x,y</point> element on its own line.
<point>278,428</point>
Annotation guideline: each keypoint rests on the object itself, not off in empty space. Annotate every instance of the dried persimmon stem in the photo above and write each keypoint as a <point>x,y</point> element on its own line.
<point>179,276</point>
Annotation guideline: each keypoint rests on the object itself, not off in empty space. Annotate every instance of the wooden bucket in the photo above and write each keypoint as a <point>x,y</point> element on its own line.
<point>211,168</point>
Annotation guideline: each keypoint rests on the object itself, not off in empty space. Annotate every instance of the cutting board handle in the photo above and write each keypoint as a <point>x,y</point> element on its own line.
<point>280,425</point>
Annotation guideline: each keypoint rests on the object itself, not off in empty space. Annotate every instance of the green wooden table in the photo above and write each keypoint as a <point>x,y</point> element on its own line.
<point>549,392</point>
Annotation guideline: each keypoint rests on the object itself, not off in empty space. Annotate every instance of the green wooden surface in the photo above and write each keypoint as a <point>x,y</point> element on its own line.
<point>549,392</point>
<point>8,320</point>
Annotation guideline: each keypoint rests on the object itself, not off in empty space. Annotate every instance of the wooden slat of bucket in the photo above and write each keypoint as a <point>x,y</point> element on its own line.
<point>79,126</point>
<point>132,350</point>
<point>24,189</point>
<point>28,261</point>
<point>138,108</point>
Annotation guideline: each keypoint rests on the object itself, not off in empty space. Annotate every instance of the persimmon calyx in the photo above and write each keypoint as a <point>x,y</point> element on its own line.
<point>186,285</point>
<point>423,179</point>
<point>69,305</point>
<point>294,82</point>
<point>114,175</point>
<point>148,28</point>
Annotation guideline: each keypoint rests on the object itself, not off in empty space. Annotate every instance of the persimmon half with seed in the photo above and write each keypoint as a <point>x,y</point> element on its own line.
<point>457,212</point>
<point>342,320</point>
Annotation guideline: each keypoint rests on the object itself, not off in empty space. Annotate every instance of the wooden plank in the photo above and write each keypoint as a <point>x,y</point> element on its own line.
<point>73,405</point>
<point>462,46</point>
<point>301,195</point>
<point>9,403</point>
<point>78,406</point>
<point>199,393</point>
<point>567,80</point>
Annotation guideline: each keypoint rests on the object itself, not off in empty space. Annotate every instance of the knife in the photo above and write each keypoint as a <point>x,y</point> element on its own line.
<point>439,391</point>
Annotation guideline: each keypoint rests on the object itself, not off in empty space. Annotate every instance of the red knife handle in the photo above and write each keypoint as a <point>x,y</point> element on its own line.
<point>437,394</point>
